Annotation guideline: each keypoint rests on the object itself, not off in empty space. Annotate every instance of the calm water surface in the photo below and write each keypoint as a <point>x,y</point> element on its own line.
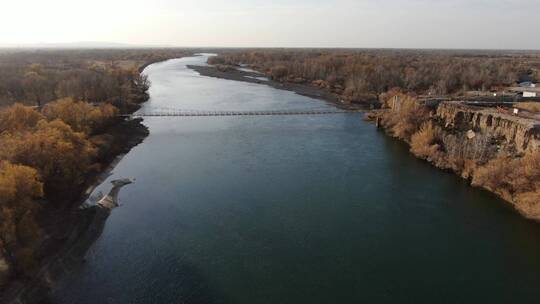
<point>299,209</point>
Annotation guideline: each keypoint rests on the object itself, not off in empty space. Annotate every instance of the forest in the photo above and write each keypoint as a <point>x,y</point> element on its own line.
<point>58,114</point>
<point>363,75</point>
<point>35,77</point>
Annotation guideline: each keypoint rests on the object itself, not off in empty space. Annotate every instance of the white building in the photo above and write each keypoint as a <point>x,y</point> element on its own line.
<point>529,94</point>
<point>531,91</point>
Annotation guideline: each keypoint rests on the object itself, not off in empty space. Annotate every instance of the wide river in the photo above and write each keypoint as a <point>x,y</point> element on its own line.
<point>293,209</point>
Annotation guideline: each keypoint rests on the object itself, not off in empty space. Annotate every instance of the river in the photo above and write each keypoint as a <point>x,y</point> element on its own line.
<point>293,209</point>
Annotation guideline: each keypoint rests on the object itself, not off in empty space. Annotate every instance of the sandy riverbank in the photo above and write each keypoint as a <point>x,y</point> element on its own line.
<point>254,77</point>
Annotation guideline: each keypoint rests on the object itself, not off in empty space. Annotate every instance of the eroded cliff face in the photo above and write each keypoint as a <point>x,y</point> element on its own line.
<point>520,135</point>
<point>491,148</point>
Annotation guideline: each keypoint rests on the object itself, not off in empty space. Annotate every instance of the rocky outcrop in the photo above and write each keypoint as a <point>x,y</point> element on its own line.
<point>110,201</point>
<point>518,133</point>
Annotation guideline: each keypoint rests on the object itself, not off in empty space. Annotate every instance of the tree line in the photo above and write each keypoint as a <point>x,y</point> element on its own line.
<point>113,76</point>
<point>360,75</point>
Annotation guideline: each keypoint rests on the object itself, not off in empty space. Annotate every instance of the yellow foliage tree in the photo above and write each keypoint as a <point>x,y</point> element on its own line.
<point>425,142</point>
<point>17,118</point>
<point>81,116</point>
<point>405,115</point>
<point>61,155</point>
<point>18,183</point>
<point>19,186</point>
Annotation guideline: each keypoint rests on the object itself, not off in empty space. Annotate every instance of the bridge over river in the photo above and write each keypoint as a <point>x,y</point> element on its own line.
<point>200,113</point>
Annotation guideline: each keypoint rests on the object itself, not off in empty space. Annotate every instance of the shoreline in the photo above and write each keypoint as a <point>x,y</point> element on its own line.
<point>70,231</point>
<point>300,89</point>
<point>71,235</point>
<point>371,116</point>
<point>475,121</point>
<point>133,139</point>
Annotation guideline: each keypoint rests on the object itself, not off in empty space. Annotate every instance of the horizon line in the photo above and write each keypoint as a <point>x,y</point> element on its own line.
<point>120,45</point>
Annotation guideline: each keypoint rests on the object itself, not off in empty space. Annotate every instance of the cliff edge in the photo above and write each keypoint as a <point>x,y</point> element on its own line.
<point>491,146</point>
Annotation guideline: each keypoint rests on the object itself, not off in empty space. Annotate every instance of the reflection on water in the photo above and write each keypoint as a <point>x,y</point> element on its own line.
<point>293,209</point>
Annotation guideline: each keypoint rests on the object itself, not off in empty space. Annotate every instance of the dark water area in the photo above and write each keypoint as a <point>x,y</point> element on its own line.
<point>293,209</point>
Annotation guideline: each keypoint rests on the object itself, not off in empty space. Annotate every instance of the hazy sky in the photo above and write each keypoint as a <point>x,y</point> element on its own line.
<point>508,24</point>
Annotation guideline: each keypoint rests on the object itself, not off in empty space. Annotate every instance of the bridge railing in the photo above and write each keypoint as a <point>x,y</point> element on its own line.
<point>187,113</point>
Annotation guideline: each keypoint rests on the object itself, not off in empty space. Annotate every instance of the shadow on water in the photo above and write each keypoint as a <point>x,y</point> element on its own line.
<point>405,166</point>
<point>180,281</point>
<point>480,248</point>
<point>185,285</point>
<point>82,229</point>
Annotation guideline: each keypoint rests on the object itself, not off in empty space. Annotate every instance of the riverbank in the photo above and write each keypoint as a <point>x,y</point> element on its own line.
<point>232,73</point>
<point>455,142</point>
<point>85,227</point>
<point>61,224</point>
<point>69,230</point>
<point>58,220</point>
<point>490,148</point>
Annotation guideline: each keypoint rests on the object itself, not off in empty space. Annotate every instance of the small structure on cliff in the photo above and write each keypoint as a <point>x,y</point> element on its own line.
<point>520,134</point>
<point>471,134</point>
<point>527,92</point>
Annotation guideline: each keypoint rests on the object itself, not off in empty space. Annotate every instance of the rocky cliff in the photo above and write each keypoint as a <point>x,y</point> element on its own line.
<point>518,133</point>
<point>490,147</point>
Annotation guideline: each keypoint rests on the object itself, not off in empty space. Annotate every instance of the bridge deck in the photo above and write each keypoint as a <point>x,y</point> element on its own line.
<point>185,113</point>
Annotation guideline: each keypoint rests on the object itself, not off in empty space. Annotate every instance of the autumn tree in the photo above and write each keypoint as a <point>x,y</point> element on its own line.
<point>61,155</point>
<point>17,118</point>
<point>278,72</point>
<point>19,187</point>
<point>36,87</point>
<point>364,73</point>
<point>426,143</point>
<point>81,116</point>
<point>406,115</point>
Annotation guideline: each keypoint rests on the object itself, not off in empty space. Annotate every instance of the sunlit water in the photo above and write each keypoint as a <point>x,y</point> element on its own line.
<point>294,209</point>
